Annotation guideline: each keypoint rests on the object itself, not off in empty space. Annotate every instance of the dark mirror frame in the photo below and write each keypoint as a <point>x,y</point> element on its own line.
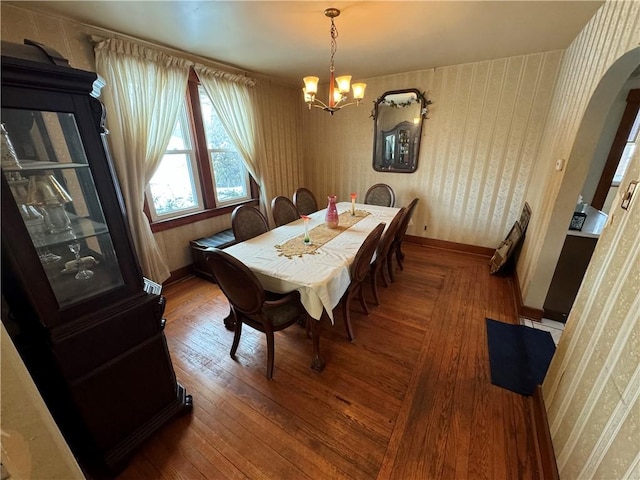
<point>396,139</point>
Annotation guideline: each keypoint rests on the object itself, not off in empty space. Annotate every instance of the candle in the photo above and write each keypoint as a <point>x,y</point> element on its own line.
<point>353,203</point>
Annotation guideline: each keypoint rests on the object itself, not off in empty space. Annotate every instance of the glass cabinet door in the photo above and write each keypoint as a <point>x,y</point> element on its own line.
<point>46,167</point>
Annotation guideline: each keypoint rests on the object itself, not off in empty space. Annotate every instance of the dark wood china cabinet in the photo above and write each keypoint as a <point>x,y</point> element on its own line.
<point>87,325</point>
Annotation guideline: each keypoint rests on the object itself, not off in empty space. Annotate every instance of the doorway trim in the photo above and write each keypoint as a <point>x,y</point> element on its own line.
<point>617,147</point>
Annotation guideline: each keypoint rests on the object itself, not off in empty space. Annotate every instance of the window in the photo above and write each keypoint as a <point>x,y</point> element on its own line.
<point>201,171</point>
<point>231,179</point>
<point>173,188</point>
<point>627,153</point>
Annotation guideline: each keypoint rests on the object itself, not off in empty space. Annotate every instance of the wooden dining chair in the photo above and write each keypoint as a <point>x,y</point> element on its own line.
<point>359,270</point>
<point>305,201</point>
<point>250,305</point>
<point>380,194</point>
<point>283,211</point>
<point>379,265</point>
<point>396,246</point>
<point>248,222</point>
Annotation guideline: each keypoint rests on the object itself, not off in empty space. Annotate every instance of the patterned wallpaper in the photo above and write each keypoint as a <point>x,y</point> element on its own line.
<point>68,38</point>
<point>571,135</point>
<point>592,389</point>
<point>477,152</point>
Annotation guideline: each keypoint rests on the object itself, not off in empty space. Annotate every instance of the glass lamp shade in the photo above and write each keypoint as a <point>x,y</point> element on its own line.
<point>46,190</point>
<point>343,83</point>
<point>337,97</point>
<point>358,90</point>
<point>311,85</point>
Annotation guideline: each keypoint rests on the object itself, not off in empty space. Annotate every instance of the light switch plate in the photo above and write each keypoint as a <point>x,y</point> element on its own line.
<point>628,195</point>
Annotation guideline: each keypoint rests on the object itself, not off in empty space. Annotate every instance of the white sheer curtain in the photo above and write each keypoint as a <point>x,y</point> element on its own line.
<point>144,91</point>
<point>232,101</point>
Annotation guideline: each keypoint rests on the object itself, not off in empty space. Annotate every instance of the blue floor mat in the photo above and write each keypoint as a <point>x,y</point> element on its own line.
<point>519,356</point>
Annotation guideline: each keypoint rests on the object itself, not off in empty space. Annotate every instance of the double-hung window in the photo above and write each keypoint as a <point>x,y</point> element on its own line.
<point>174,188</point>
<point>231,179</point>
<point>201,173</point>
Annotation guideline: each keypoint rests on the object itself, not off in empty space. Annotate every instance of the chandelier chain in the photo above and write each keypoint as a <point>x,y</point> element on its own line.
<point>334,43</point>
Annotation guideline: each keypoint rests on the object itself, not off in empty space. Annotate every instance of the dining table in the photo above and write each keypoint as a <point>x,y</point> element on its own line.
<point>319,268</point>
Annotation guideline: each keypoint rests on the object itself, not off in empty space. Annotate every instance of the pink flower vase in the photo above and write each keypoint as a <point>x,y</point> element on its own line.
<point>331,218</point>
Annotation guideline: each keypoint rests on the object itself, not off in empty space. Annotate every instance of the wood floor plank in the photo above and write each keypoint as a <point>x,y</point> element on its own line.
<point>410,398</point>
<point>282,414</point>
<point>142,468</point>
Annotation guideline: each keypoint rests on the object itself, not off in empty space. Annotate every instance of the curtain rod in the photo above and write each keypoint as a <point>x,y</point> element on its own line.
<point>165,49</point>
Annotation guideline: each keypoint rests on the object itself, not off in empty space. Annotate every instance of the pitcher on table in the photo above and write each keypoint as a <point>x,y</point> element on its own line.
<point>331,218</point>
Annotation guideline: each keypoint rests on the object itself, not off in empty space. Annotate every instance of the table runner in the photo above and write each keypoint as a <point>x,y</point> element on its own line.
<point>319,236</point>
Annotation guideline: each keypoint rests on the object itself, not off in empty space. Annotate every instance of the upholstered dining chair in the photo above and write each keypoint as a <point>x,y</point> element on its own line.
<point>305,201</point>
<point>283,211</point>
<point>250,305</point>
<point>396,246</point>
<point>248,222</point>
<point>379,265</point>
<point>380,194</point>
<point>359,270</point>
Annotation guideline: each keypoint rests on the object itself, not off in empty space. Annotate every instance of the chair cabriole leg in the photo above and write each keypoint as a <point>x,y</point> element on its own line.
<point>317,362</point>
<point>270,354</point>
<point>236,337</point>
<point>346,314</point>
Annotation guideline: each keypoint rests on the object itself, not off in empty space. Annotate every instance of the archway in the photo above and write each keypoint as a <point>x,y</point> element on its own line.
<point>578,246</point>
<point>577,167</point>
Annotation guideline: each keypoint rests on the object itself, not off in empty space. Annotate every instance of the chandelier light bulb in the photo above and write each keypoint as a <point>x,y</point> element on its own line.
<point>308,97</point>
<point>343,83</point>
<point>311,85</point>
<point>358,90</point>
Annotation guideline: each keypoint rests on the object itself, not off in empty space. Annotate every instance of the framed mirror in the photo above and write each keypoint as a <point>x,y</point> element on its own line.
<point>398,116</point>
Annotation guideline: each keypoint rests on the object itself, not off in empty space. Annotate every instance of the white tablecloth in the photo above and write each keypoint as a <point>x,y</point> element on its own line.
<point>321,278</point>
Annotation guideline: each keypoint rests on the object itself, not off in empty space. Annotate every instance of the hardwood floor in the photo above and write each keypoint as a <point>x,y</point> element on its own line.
<point>410,398</point>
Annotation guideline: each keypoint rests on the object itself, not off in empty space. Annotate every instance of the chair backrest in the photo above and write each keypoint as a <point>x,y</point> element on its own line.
<point>248,222</point>
<point>402,229</point>
<point>387,239</point>
<point>305,201</point>
<point>362,261</point>
<point>239,284</point>
<point>283,211</point>
<point>380,194</point>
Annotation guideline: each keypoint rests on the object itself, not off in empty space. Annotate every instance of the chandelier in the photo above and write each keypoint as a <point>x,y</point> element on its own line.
<point>338,92</point>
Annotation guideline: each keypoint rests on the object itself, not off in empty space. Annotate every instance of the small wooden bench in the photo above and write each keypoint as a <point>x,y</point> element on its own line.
<point>201,246</point>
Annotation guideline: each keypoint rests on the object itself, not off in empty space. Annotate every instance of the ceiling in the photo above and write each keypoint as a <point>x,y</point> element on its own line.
<point>288,40</point>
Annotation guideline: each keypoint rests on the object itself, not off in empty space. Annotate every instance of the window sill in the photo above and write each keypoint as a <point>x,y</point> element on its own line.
<point>162,225</point>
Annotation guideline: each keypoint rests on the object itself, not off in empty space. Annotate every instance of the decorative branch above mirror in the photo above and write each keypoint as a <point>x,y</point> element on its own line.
<point>398,116</point>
